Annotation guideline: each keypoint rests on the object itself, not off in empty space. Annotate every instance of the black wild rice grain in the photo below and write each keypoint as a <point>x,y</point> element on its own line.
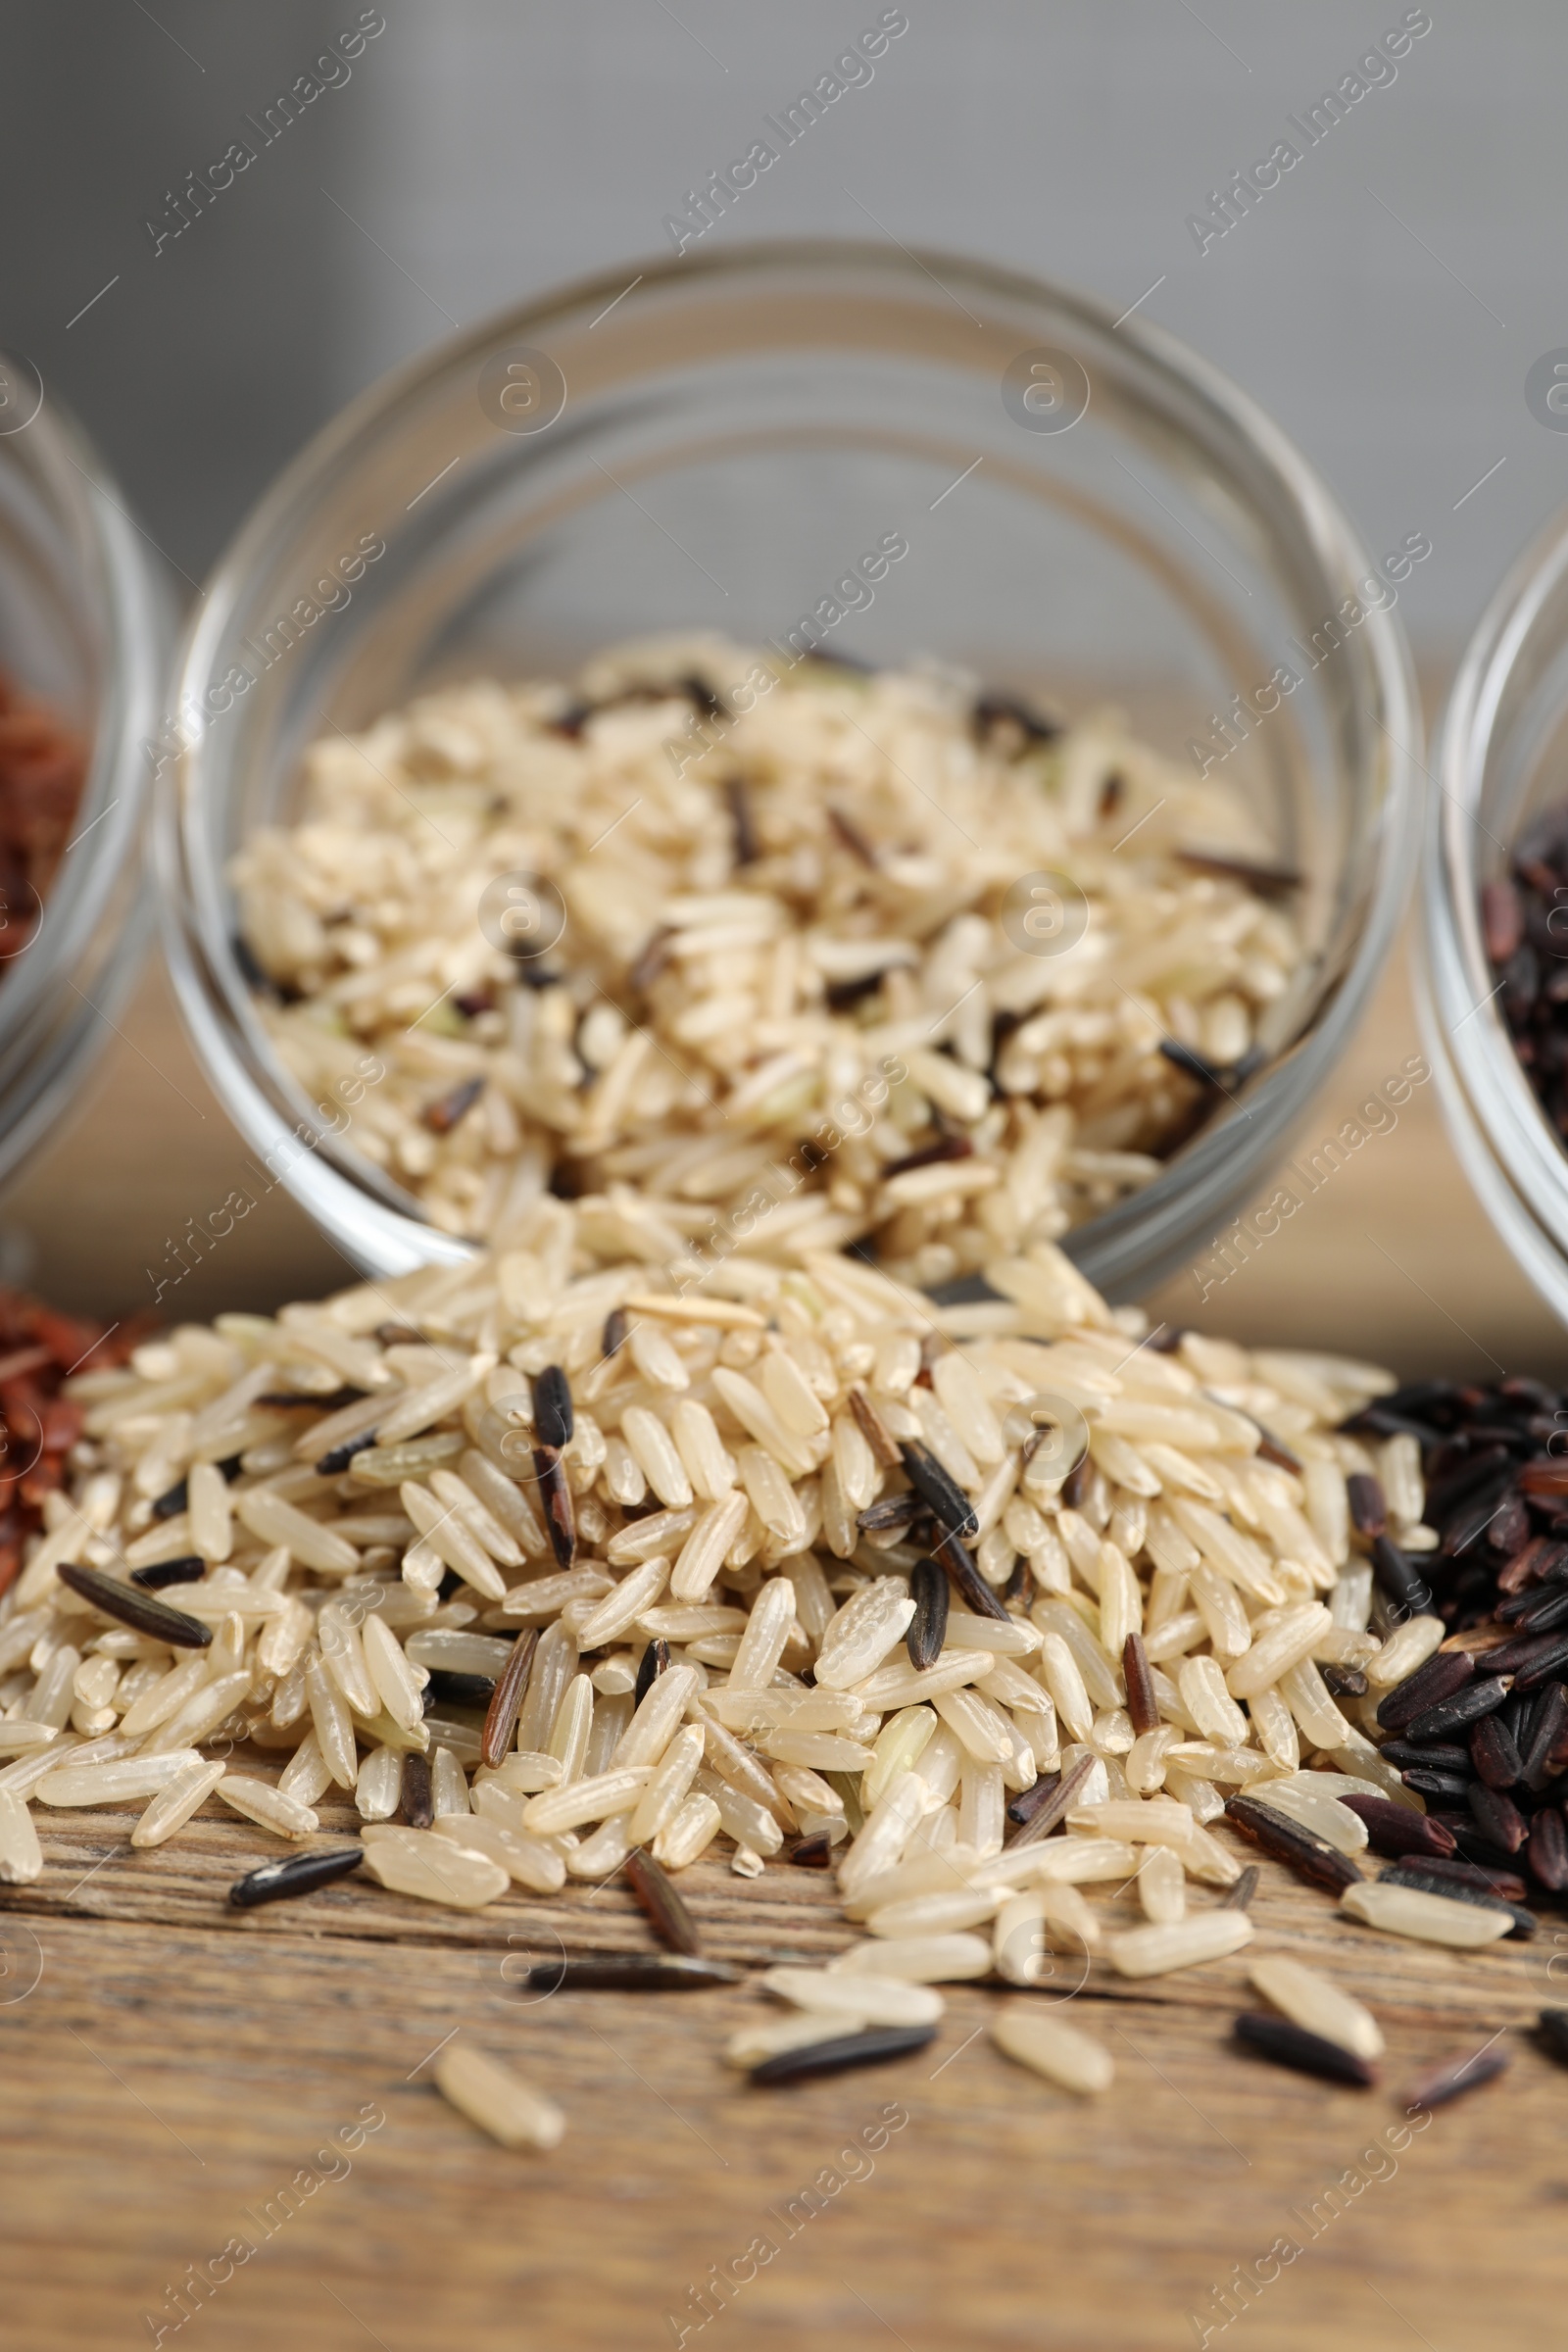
<point>1370,1511</point>
<point>1344,1681</point>
<point>1455,1714</point>
<point>701,696</point>
<point>1075,1486</point>
<point>1494,1752</point>
<point>1397,1575</point>
<point>652,1663</point>
<point>340,1456</point>
<point>812,1853</point>
<point>1436,1756</point>
<point>1544,1667</point>
<point>188,1569</point>
<point>1196,1065</point>
<point>968,1580</point>
<point>748,849</point>
<point>1392,1829</point>
<point>842,996</point>
<point>1021,1583</point>
<point>1459,1890</point>
<point>418,1809</point>
<point>1455,2076</point>
<point>446,1111</point>
<point>298,1400</point>
<point>560,1515</point>
<point>1384,1421</point>
<point>176,1499</point>
<point>1506,1883</point>
<point>1527,1649</point>
<point>1548,1750</point>
<point>1466,1480</point>
<point>853,839</point>
<point>1498,1817</point>
<point>650,959</point>
<point>662,1902</point>
<point>1010,713</point>
<point>942,1494</point>
<point>1311,1857</point>
<point>1438,1678</point>
<point>873,1429</point>
<point>1238,1897</point>
<point>1270,1448</point>
<point>1023,1808</point>
<point>1268,881</point>
<point>1291,2045</point>
<point>891,1515</point>
<point>835,2056</point>
<point>627,1972</point>
<point>1555,2035</point>
<point>138,1610</point>
<point>552,1418</point>
<point>1490,1509</point>
<point>446,1689</point>
<point>1421,1783</point>
<point>1056,1807</point>
<point>1143,1706</point>
<point>616,1325</point>
<point>298,1874</point>
<point>1548,1850</point>
<point>1536,1610</point>
<point>923,1637</point>
<point>929,1155</point>
<point>506,1700</point>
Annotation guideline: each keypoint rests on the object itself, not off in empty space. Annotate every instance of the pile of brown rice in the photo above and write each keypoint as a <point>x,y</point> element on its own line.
<point>368,1490</point>
<point>708,911</point>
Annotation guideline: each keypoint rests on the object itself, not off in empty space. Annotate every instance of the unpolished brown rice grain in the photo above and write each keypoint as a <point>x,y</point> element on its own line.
<point>283,1815</point>
<point>1155,1951</point>
<point>1427,1918</point>
<point>21,1855</point>
<point>496,2099</point>
<point>1046,2041</point>
<point>856,1995</point>
<point>173,1806</point>
<point>919,1959</point>
<point>434,1868</point>
<point>1312,2001</point>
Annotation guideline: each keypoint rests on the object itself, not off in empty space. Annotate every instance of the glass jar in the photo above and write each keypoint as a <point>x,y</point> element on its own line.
<point>1503,753</point>
<point>1091,513</point>
<point>87,627</point>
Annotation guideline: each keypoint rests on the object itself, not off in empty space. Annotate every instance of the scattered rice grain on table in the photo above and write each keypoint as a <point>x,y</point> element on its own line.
<point>431,1479</point>
<point>800,943</point>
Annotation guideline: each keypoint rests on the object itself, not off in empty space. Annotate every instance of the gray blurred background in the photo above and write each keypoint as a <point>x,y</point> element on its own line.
<point>1384,302</point>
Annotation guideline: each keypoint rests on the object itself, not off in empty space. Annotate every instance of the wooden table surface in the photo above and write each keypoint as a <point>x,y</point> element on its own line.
<point>167,2068</point>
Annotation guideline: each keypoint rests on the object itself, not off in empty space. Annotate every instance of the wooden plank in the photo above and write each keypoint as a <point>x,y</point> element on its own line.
<point>168,2068</point>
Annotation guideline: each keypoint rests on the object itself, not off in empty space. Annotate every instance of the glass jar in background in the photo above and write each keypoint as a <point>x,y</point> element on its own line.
<point>1502,755</point>
<point>87,629</point>
<point>1092,514</point>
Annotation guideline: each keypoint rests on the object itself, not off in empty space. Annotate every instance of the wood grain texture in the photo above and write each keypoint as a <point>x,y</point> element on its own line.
<point>168,2067</point>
